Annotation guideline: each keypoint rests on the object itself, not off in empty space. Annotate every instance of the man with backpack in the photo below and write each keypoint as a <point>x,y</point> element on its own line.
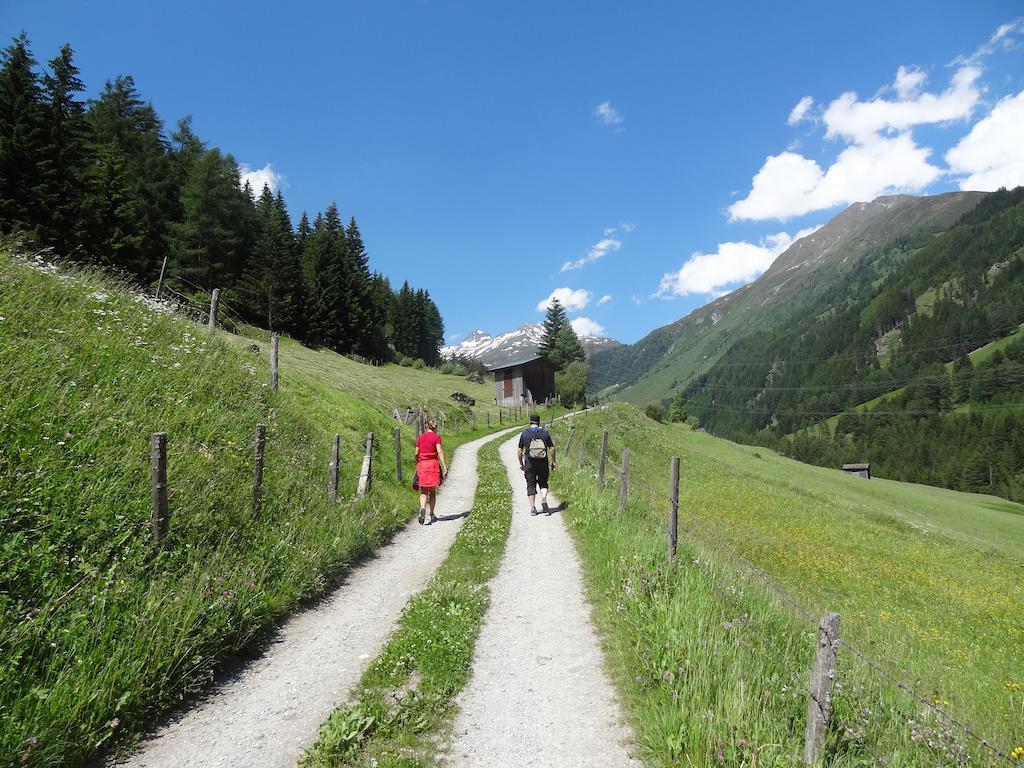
<point>536,459</point>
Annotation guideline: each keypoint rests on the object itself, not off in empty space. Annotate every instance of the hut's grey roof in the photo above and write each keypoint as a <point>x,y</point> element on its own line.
<point>856,467</point>
<point>516,363</point>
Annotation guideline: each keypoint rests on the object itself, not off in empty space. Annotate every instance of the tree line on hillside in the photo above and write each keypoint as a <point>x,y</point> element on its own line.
<point>101,181</point>
<point>904,322</point>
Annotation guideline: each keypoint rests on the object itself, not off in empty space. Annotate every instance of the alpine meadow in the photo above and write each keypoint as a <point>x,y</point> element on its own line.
<point>742,487</point>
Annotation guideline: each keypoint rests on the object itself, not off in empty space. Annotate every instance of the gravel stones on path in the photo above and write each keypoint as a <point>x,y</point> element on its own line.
<point>538,695</point>
<point>268,712</point>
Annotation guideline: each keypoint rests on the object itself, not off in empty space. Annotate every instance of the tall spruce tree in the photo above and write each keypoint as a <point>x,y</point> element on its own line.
<point>554,321</point>
<point>66,152</point>
<point>322,274</point>
<point>559,342</point>
<point>24,165</point>
<point>120,113</point>
<point>206,243</point>
<point>271,286</point>
<point>111,226</point>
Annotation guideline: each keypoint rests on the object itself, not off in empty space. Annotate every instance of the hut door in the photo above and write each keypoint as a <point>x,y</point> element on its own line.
<point>508,386</point>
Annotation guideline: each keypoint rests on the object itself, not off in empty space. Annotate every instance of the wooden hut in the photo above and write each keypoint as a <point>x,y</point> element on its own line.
<point>858,470</point>
<point>524,382</point>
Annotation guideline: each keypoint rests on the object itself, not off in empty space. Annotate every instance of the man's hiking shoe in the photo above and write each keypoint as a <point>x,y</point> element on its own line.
<point>433,518</point>
<point>533,511</point>
<point>423,514</point>
<point>544,505</point>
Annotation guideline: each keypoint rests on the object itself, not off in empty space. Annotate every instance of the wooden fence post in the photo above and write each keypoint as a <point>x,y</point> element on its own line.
<point>673,511</point>
<point>160,282</point>
<point>214,303</point>
<point>568,441</point>
<point>500,416</point>
<point>332,471</point>
<point>579,458</point>
<point>398,454</point>
<point>474,420</point>
<point>160,515</point>
<point>488,419</point>
<point>259,444</point>
<point>624,480</point>
<point>604,458</point>
<point>366,473</point>
<point>819,702</point>
<point>274,345</point>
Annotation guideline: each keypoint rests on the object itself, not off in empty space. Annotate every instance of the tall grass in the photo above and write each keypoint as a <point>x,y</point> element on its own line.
<point>714,666</point>
<point>98,635</point>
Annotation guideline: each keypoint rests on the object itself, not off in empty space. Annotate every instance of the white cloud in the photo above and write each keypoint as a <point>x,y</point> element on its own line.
<point>627,226</point>
<point>1002,39</point>
<point>790,184</point>
<point>732,263</point>
<point>570,299</point>
<point>992,154</point>
<point>860,121</point>
<point>607,114</point>
<point>584,326</point>
<point>799,112</point>
<point>607,244</point>
<point>259,176</point>
<point>604,299</point>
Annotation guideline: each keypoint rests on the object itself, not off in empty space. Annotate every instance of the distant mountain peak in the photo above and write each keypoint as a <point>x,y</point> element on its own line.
<point>522,342</point>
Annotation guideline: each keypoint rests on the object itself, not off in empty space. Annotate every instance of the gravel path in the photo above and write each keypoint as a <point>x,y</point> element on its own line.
<point>268,712</point>
<point>538,695</point>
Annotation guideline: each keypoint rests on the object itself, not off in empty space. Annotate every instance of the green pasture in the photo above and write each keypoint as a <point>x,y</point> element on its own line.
<point>929,584</point>
<point>99,634</point>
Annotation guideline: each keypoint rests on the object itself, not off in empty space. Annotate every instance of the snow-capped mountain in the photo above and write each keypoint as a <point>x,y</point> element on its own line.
<point>514,345</point>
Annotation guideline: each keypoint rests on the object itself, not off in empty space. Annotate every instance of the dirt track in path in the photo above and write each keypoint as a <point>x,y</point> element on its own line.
<point>538,695</point>
<point>265,714</point>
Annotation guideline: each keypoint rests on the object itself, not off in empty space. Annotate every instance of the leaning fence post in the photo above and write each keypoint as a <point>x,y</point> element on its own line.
<point>274,344</point>
<point>819,702</point>
<point>332,471</point>
<point>673,511</point>
<point>259,443</point>
<point>214,303</point>
<point>160,282</point>
<point>398,454</point>
<point>624,480</point>
<point>160,515</point>
<point>568,441</point>
<point>366,473</point>
<point>604,458</point>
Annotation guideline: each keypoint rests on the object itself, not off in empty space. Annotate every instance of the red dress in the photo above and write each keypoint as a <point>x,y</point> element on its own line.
<point>428,468</point>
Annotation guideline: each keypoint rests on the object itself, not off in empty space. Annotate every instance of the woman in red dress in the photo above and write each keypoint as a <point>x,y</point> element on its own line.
<point>430,468</point>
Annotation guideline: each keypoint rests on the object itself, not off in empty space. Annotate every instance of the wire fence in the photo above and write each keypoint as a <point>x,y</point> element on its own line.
<point>707,536</point>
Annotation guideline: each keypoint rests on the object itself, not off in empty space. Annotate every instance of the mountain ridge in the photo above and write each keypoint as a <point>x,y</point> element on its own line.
<point>674,354</point>
<point>513,345</point>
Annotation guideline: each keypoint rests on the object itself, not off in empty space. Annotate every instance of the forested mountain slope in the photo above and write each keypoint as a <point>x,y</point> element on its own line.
<point>906,320</point>
<point>673,355</point>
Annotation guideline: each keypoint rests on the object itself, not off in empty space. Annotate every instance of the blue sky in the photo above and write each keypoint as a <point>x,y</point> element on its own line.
<point>640,158</point>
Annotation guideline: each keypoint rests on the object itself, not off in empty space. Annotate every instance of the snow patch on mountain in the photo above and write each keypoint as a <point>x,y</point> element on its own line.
<point>513,345</point>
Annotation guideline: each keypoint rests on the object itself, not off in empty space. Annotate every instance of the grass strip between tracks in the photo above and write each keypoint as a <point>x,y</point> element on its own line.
<point>406,697</point>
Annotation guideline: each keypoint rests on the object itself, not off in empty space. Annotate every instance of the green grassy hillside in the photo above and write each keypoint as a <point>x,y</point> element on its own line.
<point>99,635</point>
<point>714,666</point>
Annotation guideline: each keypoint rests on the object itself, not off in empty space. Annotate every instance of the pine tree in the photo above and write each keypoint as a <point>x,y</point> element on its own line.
<point>66,151</point>
<point>677,410</point>
<point>361,318</point>
<point>205,244</point>
<point>567,348</point>
<point>554,321</point>
<point>321,270</point>
<point>271,286</point>
<point>24,165</point>
<point>112,218</point>
<point>407,323</point>
<point>120,113</point>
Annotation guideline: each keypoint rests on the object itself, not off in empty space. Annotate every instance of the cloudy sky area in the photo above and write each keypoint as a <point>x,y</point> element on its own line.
<point>633,162</point>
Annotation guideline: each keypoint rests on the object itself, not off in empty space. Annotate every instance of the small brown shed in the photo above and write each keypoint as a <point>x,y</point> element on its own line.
<point>858,470</point>
<point>524,382</point>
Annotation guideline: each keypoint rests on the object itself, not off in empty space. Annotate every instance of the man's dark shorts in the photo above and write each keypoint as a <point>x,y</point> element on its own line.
<point>536,475</point>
